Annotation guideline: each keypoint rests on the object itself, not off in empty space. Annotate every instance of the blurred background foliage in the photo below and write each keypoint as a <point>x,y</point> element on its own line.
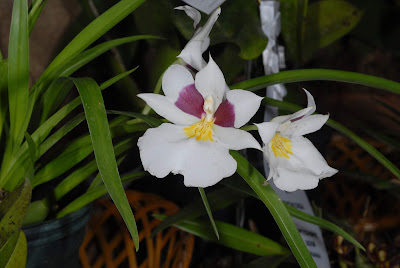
<point>353,35</point>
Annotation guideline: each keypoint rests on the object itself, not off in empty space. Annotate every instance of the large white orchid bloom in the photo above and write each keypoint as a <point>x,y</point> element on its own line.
<point>294,162</point>
<point>205,120</point>
<point>192,54</point>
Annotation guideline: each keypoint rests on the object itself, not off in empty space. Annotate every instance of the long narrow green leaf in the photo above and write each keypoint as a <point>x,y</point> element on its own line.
<point>347,132</point>
<point>116,78</point>
<point>79,175</point>
<point>100,135</point>
<point>232,236</point>
<point>3,93</point>
<point>242,188</point>
<point>218,199</point>
<point>278,210</point>
<point>89,34</point>
<point>34,13</point>
<point>293,76</point>
<point>12,210</point>
<point>14,253</point>
<point>95,193</point>
<point>151,121</point>
<point>18,71</point>
<point>209,212</point>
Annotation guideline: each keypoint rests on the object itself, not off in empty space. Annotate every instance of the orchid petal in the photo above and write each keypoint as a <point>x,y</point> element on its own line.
<point>192,54</point>
<point>246,104</point>
<point>306,125</point>
<point>305,161</point>
<point>225,114</point>
<point>190,101</point>
<point>204,32</point>
<point>210,81</point>
<point>295,116</point>
<point>166,149</point>
<point>267,131</point>
<point>205,44</point>
<point>174,80</point>
<point>193,13</point>
<point>290,181</point>
<point>235,139</point>
<point>310,102</point>
<point>162,106</point>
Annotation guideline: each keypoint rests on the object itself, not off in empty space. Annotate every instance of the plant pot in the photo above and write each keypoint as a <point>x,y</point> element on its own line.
<point>55,243</point>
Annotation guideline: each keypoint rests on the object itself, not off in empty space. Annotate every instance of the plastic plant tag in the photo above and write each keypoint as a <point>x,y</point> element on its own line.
<point>273,60</point>
<point>206,6</point>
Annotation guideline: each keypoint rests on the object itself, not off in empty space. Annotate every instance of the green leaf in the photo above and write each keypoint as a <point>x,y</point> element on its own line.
<point>151,121</point>
<point>80,174</point>
<point>303,75</point>
<point>116,78</point>
<point>88,35</point>
<point>209,212</point>
<point>34,13</point>
<point>13,254</point>
<point>100,135</point>
<point>326,22</point>
<point>218,199</point>
<point>95,193</point>
<point>18,72</point>
<point>347,132</point>
<point>3,93</point>
<point>54,96</point>
<point>232,236</point>
<point>37,212</point>
<point>12,210</point>
<point>241,187</point>
<point>32,147</point>
<point>278,210</point>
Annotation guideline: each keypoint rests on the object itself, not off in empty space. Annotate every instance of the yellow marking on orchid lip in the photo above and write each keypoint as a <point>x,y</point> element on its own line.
<point>202,130</point>
<point>281,146</point>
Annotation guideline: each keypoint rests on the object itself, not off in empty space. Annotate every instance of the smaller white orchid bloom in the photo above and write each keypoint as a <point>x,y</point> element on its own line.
<point>192,53</point>
<point>205,120</point>
<point>294,162</point>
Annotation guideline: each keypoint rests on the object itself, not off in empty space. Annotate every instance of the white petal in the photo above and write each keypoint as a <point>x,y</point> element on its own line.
<point>157,149</point>
<point>205,44</point>
<point>290,181</point>
<point>310,102</point>
<point>206,163</point>
<point>306,162</point>
<point>162,106</point>
<point>306,125</point>
<point>298,114</point>
<point>192,54</point>
<point>267,130</point>
<point>245,104</point>
<point>211,82</point>
<point>193,13</point>
<point>202,163</point>
<point>175,78</point>
<point>204,32</point>
<point>235,139</point>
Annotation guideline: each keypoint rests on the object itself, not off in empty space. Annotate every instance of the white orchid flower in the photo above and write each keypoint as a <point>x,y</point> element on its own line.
<point>192,54</point>
<point>294,162</point>
<point>205,120</point>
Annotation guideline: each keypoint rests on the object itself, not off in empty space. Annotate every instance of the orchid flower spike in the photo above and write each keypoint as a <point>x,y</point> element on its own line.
<point>204,126</point>
<point>294,162</point>
<point>192,54</point>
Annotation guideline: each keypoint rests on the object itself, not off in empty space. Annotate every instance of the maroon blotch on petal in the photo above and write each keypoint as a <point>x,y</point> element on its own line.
<point>225,114</point>
<point>297,118</point>
<point>190,101</point>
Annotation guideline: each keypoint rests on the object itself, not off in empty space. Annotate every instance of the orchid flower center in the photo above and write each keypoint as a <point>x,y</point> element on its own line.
<point>281,146</point>
<point>202,130</point>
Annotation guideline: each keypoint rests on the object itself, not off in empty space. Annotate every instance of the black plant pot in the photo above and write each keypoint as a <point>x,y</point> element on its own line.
<point>55,243</point>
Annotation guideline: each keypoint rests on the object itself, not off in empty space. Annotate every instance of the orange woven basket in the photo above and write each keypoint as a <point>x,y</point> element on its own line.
<point>108,243</point>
